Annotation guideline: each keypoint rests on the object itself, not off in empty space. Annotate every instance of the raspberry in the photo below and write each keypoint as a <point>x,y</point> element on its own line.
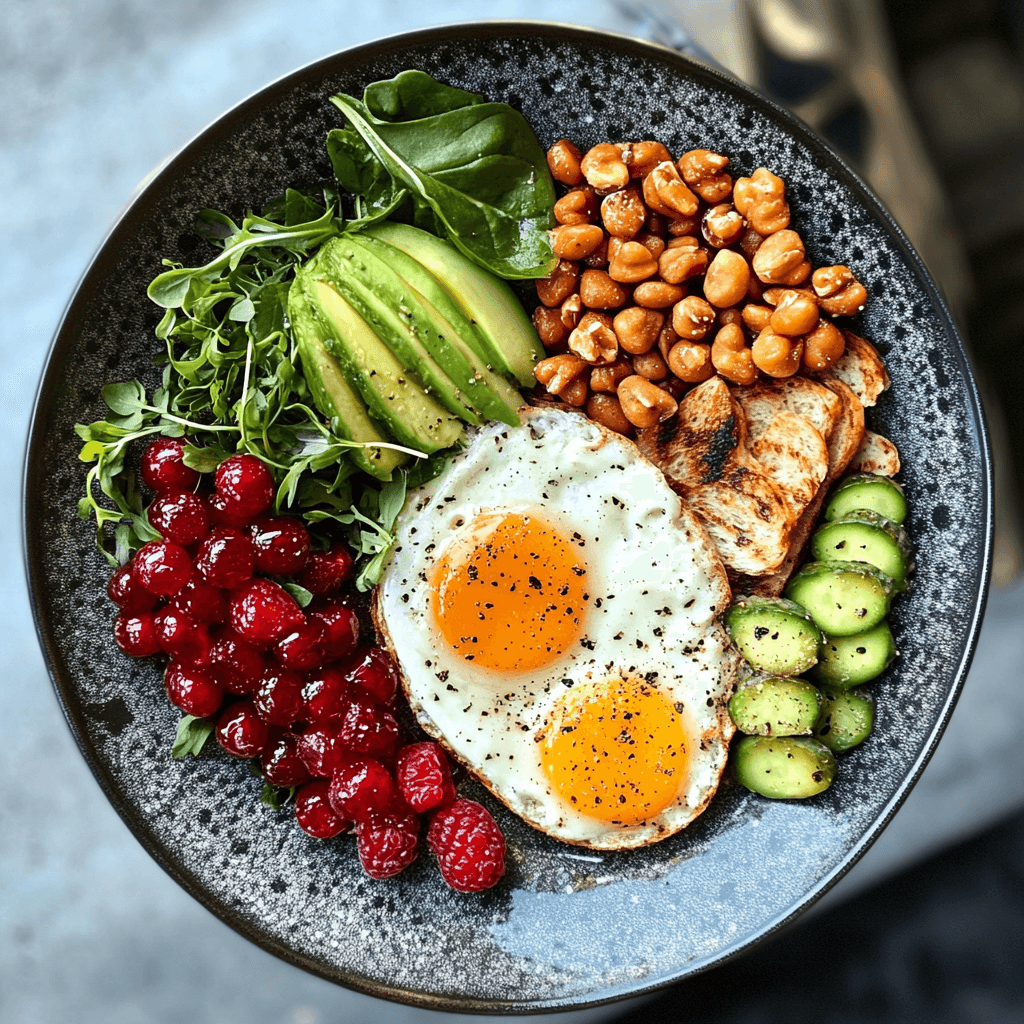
<point>388,844</point>
<point>304,647</point>
<point>182,637</point>
<point>341,628</point>
<point>124,590</point>
<point>424,777</point>
<point>282,545</point>
<point>321,750</point>
<point>363,788</point>
<point>326,697</point>
<point>468,845</point>
<point>162,567</point>
<point>193,689</point>
<point>262,613</point>
<point>327,570</point>
<point>180,516</point>
<point>281,764</point>
<point>241,731</point>
<point>237,666</point>
<point>201,600</point>
<point>226,558</point>
<point>314,812</point>
<point>162,467</point>
<point>369,730</point>
<point>278,697</point>
<point>245,486</point>
<point>374,670</point>
<point>137,634</point>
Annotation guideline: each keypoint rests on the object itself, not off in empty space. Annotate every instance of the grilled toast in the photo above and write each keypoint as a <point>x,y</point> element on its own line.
<point>877,454</point>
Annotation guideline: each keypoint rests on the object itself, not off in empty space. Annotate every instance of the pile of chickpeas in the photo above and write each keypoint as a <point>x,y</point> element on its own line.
<point>670,272</point>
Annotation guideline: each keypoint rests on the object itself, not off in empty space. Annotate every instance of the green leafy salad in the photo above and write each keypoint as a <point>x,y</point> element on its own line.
<point>347,352</point>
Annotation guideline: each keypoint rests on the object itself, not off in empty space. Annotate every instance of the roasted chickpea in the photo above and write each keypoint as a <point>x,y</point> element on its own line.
<point>564,163</point>
<point>841,294</point>
<point>606,379</point>
<point>637,329</point>
<point>795,313</point>
<point>757,317</point>
<point>779,256</point>
<point>725,283</point>
<point>705,173</point>
<point>644,157</point>
<point>550,329</point>
<point>623,213</point>
<point>606,410</point>
<point>630,263</point>
<point>750,241</point>
<point>599,257</point>
<point>731,357</point>
<point>691,361</point>
<point>678,226</point>
<point>761,198</point>
<point>722,225</point>
<point>556,288</point>
<point>822,347</point>
<point>666,193</point>
<point>658,294</point>
<point>692,318</point>
<point>644,404</point>
<point>571,311</point>
<point>729,316</point>
<point>576,393</point>
<point>594,339</point>
<point>577,207</point>
<point>775,354</point>
<point>682,259</point>
<point>604,167</point>
<point>599,291</point>
<point>667,338</point>
<point>653,243</point>
<point>650,365</point>
<point>557,372</point>
<point>576,241</point>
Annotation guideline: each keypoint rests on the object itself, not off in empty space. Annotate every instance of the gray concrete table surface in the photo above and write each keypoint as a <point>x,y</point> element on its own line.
<point>96,93</point>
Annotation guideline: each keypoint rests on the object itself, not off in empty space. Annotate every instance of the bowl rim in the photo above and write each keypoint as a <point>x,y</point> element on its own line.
<point>134,211</point>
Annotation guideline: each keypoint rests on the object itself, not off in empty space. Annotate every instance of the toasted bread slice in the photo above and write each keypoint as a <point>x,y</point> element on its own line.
<point>800,395</point>
<point>702,452</point>
<point>794,456</point>
<point>842,447</point>
<point>877,454</point>
<point>861,368</point>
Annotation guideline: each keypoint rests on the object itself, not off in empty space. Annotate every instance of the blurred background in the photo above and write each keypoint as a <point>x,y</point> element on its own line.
<point>926,99</point>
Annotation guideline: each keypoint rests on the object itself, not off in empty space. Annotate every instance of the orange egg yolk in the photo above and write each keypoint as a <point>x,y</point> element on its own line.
<point>615,750</point>
<point>509,592</point>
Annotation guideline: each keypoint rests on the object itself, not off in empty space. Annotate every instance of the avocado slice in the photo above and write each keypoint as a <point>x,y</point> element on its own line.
<point>394,396</point>
<point>335,398</point>
<point>381,298</point>
<point>509,344</point>
<point>492,395</point>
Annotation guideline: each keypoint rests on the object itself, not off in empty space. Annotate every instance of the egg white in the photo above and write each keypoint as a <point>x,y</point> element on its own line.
<point>656,590</point>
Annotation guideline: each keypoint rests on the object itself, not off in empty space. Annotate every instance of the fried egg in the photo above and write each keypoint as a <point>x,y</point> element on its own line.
<point>554,610</point>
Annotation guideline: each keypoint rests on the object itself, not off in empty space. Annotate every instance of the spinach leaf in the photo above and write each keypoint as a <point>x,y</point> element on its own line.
<point>474,170</point>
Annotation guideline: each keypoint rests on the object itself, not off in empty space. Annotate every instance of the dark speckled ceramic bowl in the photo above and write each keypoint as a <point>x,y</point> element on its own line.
<point>566,928</point>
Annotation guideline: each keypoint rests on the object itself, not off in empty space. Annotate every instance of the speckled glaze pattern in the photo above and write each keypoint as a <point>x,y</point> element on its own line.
<point>567,927</point>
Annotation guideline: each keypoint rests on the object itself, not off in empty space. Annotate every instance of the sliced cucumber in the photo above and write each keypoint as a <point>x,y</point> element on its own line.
<point>773,634</point>
<point>776,707</point>
<point>846,661</point>
<point>864,536</point>
<point>866,491</point>
<point>843,598</point>
<point>783,767</point>
<point>846,718</point>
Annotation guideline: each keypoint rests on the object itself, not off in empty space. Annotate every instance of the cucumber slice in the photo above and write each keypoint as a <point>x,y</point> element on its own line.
<point>783,767</point>
<point>846,719</point>
<point>846,661</point>
<point>866,491</point>
<point>843,598</point>
<point>865,536</point>
<point>773,634</point>
<point>776,707</point>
